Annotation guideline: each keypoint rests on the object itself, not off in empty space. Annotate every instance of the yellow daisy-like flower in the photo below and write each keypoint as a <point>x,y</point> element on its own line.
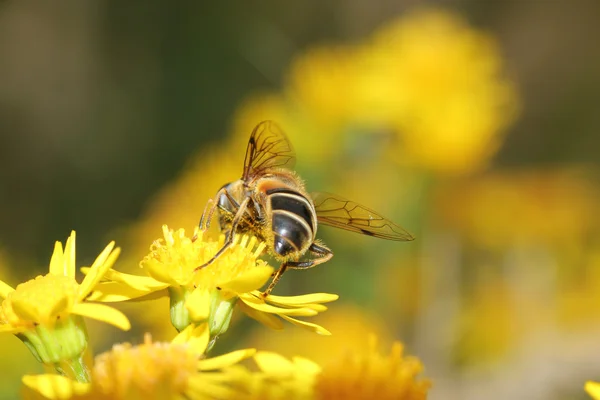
<point>46,312</point>
<point>445,83</point>
<point>152,370</point>
<point>593,389</point>
<point>360,374</point>
<point>427,77</point>
<point>367,374</point>
<point>211,293</point>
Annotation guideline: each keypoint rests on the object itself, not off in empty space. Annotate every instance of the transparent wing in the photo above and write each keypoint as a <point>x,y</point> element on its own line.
<point>336,211</point>
<point>268,148</point>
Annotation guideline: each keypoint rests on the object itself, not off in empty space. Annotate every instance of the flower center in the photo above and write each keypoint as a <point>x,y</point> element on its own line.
<point>152,370</point>
<point>175,258</point>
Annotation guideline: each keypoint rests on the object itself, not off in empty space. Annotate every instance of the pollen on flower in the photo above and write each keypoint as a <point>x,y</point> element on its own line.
<point>174,258</point>
<point>144,371</point>
<point>40,300</point>
<point>238,260</point>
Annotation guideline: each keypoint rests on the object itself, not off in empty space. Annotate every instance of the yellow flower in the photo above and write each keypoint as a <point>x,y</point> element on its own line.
<point>46,312</point>
<point>322,85</point>
<point>360,374</point>
<point>593,389</point>
<point>366,374</point>
<point>443,81</point>
<point>524,207</point>
<point>152,370</point>
<point>427,77</point>
<point>11,349</point>
<point>211,293</point>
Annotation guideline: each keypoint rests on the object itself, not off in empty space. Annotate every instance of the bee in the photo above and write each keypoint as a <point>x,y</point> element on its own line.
<point>271,202</point>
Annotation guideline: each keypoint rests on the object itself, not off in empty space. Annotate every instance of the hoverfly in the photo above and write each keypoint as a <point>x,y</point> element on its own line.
<point>270,201</point>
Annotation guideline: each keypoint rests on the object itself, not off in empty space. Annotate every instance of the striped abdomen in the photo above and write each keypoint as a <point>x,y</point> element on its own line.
<point>293,223</point>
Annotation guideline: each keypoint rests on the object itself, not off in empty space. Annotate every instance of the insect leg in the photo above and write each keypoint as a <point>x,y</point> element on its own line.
<point>209,203</point>
<point>276,279</point>
<point>323,254</point>
<point>229,239</point>
<point>210,210</point>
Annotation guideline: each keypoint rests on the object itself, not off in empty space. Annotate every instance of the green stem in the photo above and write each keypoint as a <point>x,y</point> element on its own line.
<point>76,369</point>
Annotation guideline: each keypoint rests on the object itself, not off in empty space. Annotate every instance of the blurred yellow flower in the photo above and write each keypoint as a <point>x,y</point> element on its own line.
<point>322,85</point>
<point>525,206</point>
<point>362,373</point>
<point>151,370</point>
<point>46,312</point>
<point>347,325</point>
<point>443,83</point>
<point>276,378</point>
<point>578,296</point>
<point>367,374</point>
<point>489,324</point>
<point>593,389</point>
<point>211,293</point>
<point>427,76</point>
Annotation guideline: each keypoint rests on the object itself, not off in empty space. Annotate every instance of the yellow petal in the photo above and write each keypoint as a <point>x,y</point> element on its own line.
<point>56,261</point>
<point>274,364</point>
<point>5,328</point>
<point>103,262</point>
<point>5,289</point>
<point>228,375</point>
<point>260,305</point>
<point>269,320</point>
<point>593,389</point>
<point>109,292</point>
<point>198,304</point>
<point>225,360</point>
<point>104,313</point>
<point>69,256</point>
<point>196,337</point>
<point>306,365</point>
<point>303,299</point>
<point>317,307</point>
<point>55,386</point>
<point>159,272</point>
<point>250,280</point>
<point>201,388</point>
<point>25,311</point>
<point>136,282</point>
<point>307,325</point>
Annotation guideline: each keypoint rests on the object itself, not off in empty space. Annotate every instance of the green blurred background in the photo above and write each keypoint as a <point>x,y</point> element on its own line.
<point>474,124</point>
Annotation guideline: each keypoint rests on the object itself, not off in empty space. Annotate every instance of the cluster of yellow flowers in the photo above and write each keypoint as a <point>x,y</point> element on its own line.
<point>427,85</point>
<point>47,315</point>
